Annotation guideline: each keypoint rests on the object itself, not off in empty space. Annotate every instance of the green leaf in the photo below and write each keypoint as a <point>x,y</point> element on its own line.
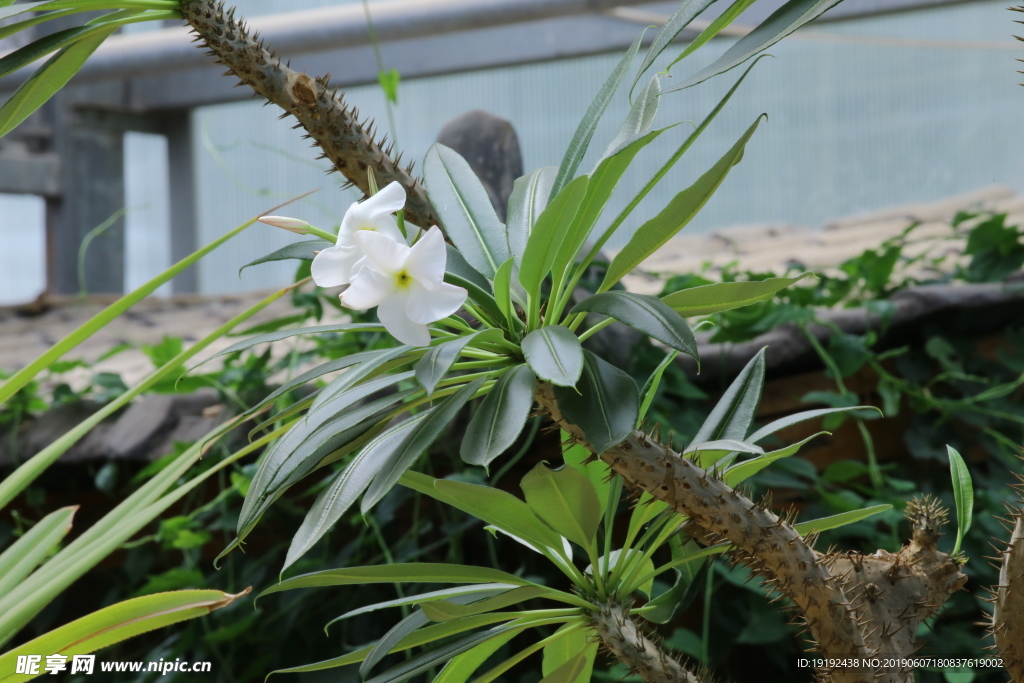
<point>389,80</point>
<point>29,551</point>
<point>564,649</point>
<point>790,420</point>
<point>48,79</point>
<point>412,572</point>
<point>963,494</point>
<point>679,20</point>
<point>465,209</point>
<point>547,235</point>
<point>491,505</point>
<point>459,669</point>
<point>725,296</point>
<point>676,215</point>
<point>41,47</point>
<point>603,182</point>
<point>346,486</point>
<point>604,403</point>
<point>713,451</point>
<point>503,293</point>
<point>479,295</point>
<point>285,334</point>
<point>529,197</point>
<point>303,449</point>
<point>713,29</point>
<point>566,501</point>
<point>570,659</point>
<point>689,582</point>
<point>420,438</point>
<point>121,621</point>
<point>734,413</point>
<point>457,265</point>
<point>581,138</point>
<point>436,362</point>
<point>650,389</point>
<point>836,521</point>
<point>351,382</point>
<point>414,639</point>
<point>428,660</point>
<point>477,591</point>
<point>554,354</point>
<point>301,251</point>
<point>447,611</point>
<point>646,314</point>
<point>582,460</point>
<point>780,24</point>
<point>500,418</point>
<point>636,566</point>
<point>741,472</point>
<point>638,121</point>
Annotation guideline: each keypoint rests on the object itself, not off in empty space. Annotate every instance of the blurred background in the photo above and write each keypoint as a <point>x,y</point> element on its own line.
<point>880,103</point>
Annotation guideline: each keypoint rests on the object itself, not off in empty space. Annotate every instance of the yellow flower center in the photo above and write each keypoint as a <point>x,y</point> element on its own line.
<point>403,280</point>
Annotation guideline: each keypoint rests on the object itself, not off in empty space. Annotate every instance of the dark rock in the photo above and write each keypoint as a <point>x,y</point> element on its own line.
<point>490,145</point>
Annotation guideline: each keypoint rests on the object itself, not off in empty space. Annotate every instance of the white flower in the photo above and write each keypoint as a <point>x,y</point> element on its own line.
<point>405,283</point>
<point>337,265</point>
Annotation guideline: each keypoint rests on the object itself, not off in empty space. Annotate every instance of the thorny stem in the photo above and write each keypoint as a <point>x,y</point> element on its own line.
<point>635,649</point>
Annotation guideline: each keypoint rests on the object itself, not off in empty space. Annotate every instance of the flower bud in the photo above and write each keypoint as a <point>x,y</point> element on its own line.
<point>285,223</point>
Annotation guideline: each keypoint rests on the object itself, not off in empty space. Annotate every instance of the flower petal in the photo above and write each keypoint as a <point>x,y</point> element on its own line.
<point>386,254</point>
<point>368,289</point>
<point>387,226</point>
<point>429,305</point>
<point>333,266</point>
<point>392,315</point>
<point>387,201</point>
<point>427,259</point>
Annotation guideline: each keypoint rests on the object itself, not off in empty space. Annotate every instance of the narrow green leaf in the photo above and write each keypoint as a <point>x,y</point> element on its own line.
<point>650,389</point>
<point>457,265</point>
<point>419,438</point>
<point>581,139</point>
<point>781,23</point>
<point>638,121</point>
<point>713,451</point>
<point>636,567</point>
<point>714,28</point>
<point>439,655</point>
<point>577,669</point>
<point>301,251</point>
<point>346,486</point>
<point>797,418</point>
<point>646,509</point>
<point>500,418</point>
<point>734,413</point>
<point>413,572</point>
<point>604,403</point>
<point>119,622</point>
<point>646,314</point>
<point>473,592</point>
<point>465,209</point>
<point>836,521</point>
<point>603,182</point>
<point>418,637</point>
<point>48,79</point>
<point>491,505</point>
<point>529,197</point>
<point>350,382</point>
<point>739,473</point>
<point>664,608</point>
<point>285,334</point>
<point>562,650</point>
<point>436,362</point>
<point>503,292</point>
<point>443,610</point>
<point>680,19</point>
<point>29,551</point>
<point>566,501</point>
<point>546,238</point>
<point>554,354</point>
<point>405,628</point>
<point>963,495</point>
<point>459,669</point>
<point>725,296</point>
<point>597,472</point>
<point>290,459</point>
<point>676,215</point>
